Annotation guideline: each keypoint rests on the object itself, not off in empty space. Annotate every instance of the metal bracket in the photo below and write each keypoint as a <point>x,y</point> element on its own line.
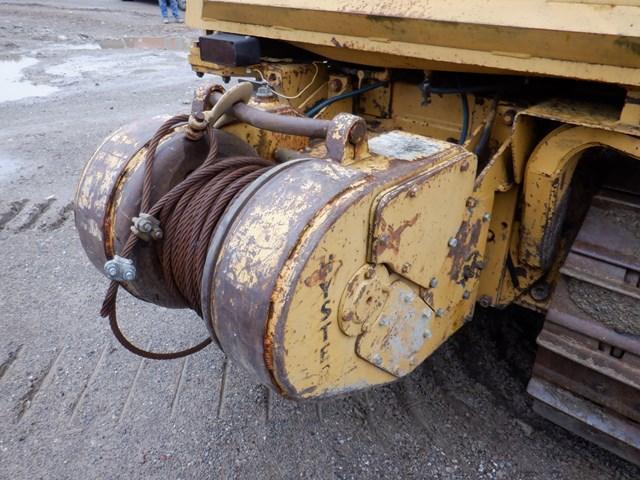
<point>120,269</point>
<point>147,227</point>
<point>347,138</point>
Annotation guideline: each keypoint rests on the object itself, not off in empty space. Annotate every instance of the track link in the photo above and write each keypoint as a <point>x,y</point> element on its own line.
<point>586,377</point>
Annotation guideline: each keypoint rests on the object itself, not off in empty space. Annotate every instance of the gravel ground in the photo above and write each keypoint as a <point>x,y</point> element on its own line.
<point>74,404</point>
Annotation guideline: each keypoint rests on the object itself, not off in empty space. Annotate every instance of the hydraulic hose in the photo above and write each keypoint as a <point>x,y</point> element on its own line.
<point>313,111</point>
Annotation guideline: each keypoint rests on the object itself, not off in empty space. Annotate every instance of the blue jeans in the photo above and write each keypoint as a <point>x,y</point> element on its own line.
<point>174,8</point>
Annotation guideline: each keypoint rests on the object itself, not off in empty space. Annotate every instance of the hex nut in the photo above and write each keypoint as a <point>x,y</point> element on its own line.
<point>453,242</point>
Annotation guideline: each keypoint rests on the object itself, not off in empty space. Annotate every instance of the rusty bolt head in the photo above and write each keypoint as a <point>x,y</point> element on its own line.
<point>453,242</point>
<point>369,273</point>
<point>540,292</point>
<point>471,202</point>
<point>358,132</point>
<point>157,234</point>
<point>509,116</point>
<point>406,267</point>
<point>486,217</point>
<point>485,301</point>
<point>335,85</point>
<point>433,283</point>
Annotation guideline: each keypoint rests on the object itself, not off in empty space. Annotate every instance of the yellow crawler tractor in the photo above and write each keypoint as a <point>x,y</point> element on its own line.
<point>365,173</point>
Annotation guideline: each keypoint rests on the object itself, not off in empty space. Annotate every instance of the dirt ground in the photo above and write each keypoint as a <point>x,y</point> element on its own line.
<point>74,404</point>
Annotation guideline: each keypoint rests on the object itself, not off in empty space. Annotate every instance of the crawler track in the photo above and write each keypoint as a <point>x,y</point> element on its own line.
<point>586,377</point>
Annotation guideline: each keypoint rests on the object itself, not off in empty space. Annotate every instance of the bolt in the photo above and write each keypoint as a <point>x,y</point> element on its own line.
<point>406,267</point>
<point>145,226</point>
<point>413,191</point>
<point>540,292</point>
<point>440,312</point>
<point>466,294</point>
<point>336,85</point>
<point>384,321</point>
<point>433,283</point>
<point>426,334</point>
<point>369,273</point>
<point>464,167</point>
<point>157,234</point>
<point>471,202</point>
<point>426,314</point>
<point>485,301</point>
<point>111,270</point>
<point>508,117</point>
<point>357,132</point>
<point>486,217</point>
<point>129,275</point>
<point>263,92</point>
<point>480,264</point>
<point>199,117</point>
<point>407,297</point>
<point>453,242</point>
<point>377,360</point>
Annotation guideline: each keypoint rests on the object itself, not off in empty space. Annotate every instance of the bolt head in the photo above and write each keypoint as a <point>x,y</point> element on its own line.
<point>111,271</point>
<point>413,191</point>
<point>453,242</point>
<point>129,275</point>
<point>440,312</point>
<point>157,235</point>
<point>433,283</point>
<point>377,360</point>
<point>426,334</point>
<point>426,314</point>
<point>407,297</point>
<point>466,294</point>
<point>471,202</point>
<point>485,301</point>
<point>486,217</point>
<point>384,321</point>
<point>369,273</point>
<point>406,267</point>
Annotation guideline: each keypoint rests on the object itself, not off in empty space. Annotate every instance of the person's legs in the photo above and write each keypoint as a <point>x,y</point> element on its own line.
<point>174,9</point>
<point>163,7</point>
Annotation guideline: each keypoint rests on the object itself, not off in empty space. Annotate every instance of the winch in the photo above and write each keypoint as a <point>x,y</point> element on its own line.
<point>329,268</point>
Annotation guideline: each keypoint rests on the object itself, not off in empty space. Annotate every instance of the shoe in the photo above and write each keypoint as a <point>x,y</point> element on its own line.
<point>165,20</point>
<point>179,20</point>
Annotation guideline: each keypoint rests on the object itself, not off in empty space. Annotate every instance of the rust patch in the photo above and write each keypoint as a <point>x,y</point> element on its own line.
<point>320,275</point>
<point>390,238</point>
<point>465,258</point>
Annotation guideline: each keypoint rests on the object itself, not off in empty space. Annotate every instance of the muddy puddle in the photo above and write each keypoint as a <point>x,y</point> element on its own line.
<point>14,86</point>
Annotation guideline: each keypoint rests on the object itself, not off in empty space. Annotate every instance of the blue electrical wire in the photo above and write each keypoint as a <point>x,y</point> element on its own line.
<point>313,111</point>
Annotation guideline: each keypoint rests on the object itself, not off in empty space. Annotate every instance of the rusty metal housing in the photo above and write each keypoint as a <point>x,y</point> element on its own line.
<point>425,158</point>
